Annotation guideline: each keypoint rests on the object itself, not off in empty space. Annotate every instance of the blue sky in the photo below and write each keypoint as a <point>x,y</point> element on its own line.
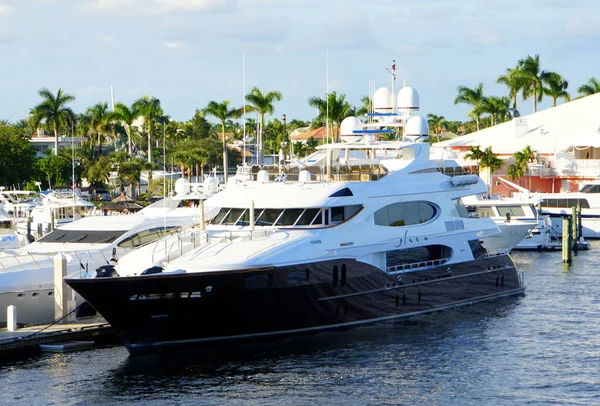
<point>189,52</point>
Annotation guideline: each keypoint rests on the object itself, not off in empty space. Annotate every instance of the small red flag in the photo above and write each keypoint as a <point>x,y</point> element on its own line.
<point>394,66</point>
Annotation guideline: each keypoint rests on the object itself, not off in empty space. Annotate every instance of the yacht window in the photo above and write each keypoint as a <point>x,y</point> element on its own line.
<point>512,210</point>
<point>485,211</point>
<point>337,214</point>
<point>460,207</point>
<point>405,214</point>
<point>82,236</point>
<point>232,216</point>
<point>590,189</point>
<point>308,216</point>
<point>268,217</point>
<point>567,203</point>
<point>289,217</point>
<point>221,215</point>
<point>146,236</point>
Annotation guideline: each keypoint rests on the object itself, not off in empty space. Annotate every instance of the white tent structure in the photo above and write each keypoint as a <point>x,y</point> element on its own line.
<point>547,132</point>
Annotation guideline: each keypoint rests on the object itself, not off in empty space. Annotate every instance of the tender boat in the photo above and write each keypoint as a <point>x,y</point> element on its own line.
<point>373,239</point>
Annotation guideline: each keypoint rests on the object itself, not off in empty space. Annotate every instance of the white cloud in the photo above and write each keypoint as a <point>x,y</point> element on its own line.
<point>173,44</point>
<point>485,36</point>
<point>5,8</point>
<point>158,6</point>
<point>107,39</point>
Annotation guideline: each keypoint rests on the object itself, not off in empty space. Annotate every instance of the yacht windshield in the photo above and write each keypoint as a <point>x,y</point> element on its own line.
<point>82,236</point>
<point>292,217</point>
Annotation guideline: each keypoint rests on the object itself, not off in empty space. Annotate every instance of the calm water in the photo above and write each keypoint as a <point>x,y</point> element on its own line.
<point>543,348</point>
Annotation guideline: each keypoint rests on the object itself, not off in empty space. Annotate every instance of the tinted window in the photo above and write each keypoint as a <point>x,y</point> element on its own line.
<point>146,236</point>
<point>512,210</point>
<point>405,214</point>
<point>82,236</point>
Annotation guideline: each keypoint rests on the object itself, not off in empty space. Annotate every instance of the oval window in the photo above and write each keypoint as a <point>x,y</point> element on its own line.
<point>405,214</point>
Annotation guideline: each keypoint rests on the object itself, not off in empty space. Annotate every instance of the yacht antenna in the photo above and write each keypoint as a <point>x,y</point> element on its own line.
<point>112,98</point>
<point>244,106</point>
<point>392,71</point>
<point>327,96</point>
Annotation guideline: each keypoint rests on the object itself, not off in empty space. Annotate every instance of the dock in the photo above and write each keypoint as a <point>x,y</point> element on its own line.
<point>26,341</point>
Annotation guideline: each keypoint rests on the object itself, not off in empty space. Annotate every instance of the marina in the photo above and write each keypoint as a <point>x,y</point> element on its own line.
<point>539,348</point>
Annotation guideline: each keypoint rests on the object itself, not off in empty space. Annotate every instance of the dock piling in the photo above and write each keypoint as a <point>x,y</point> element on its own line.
<point>573,228</point>
<point>11,318</point>
<point>567,240</point>
<point>60,287</point>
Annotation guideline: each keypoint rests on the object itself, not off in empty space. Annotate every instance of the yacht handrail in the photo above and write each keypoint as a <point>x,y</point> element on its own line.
<point>416,265</point>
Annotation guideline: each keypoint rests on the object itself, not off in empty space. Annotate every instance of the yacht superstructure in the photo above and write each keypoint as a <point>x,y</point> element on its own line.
<point>377,240</point>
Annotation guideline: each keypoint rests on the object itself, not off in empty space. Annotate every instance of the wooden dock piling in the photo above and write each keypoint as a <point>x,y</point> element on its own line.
<point>567,240</point>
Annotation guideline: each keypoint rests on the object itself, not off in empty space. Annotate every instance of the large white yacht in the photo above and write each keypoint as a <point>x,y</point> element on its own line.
<point>26,273</point>
<point>382,235</point>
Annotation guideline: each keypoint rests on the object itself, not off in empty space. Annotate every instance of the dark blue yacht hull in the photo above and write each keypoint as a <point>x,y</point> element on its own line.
<point>160,311</point>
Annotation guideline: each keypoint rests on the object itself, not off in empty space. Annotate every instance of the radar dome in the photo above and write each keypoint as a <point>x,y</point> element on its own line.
<point>382,100</point>
<point>182,186</point>
<point>408,99</point>
<point>349,124</point>
<point>416,127</point>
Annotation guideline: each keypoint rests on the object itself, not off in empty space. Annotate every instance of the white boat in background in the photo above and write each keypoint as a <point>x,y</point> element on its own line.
<point>57,207</point>
<point>558,205</point>
<point>26,273</point>
<point>17,203</point>
<point>518,220</point>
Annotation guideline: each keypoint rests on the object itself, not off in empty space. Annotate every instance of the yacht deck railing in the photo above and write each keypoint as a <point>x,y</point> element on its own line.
<point>416,265</point>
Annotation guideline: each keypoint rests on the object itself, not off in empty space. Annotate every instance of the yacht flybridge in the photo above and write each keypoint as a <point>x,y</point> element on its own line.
<point>375,231</point>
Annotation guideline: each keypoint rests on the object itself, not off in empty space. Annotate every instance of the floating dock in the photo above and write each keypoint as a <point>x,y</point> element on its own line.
<point>26,341</point>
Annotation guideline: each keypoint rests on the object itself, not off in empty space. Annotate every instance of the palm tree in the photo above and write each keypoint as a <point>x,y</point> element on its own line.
<point>512,80</point>
<point>262,104</point>
<point>333,110</point>
<point>491,161</point>
<point>365,107</point>
<point>473,97</point>
<point>99,172</point>
<point>524,157</point>
<point>149,108</point>
<point>436,123</point>
<point>592,87</point>
<point>222,112</point>
<point>99,122</point>
<point>129,173</point>
<point>53,110</point>
<point>530,74</point>
<point>557,88</point>
<point>497,107</point>
<point>126,115</point>
<point>475,154</point>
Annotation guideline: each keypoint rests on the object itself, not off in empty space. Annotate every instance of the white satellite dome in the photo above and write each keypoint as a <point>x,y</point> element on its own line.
<point>349,124</point>
<point>408,99</point>
<point>382,100</point>
<point>416,127</point>
<point>182,187</point>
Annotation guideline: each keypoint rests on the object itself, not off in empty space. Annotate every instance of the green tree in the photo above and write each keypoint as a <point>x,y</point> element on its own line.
<point>333,109</point>
<point>512,80</point>
<point>262,104</point>
<point>366,106</point>
<point>592,87</point>
<point>149,108</point>
<point>473,97</point>
<point>126,115</point>
<point>532,78</point>
<point>490,161</point>
<point>53,110</point>
<point>98,173</point>
<point>557,88</point>
<point>222,112</point>
<point>497,107</point>
<point>16,156</point>
<point>99,119</point>
<point>129,174</point>
<point>436,123</point>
